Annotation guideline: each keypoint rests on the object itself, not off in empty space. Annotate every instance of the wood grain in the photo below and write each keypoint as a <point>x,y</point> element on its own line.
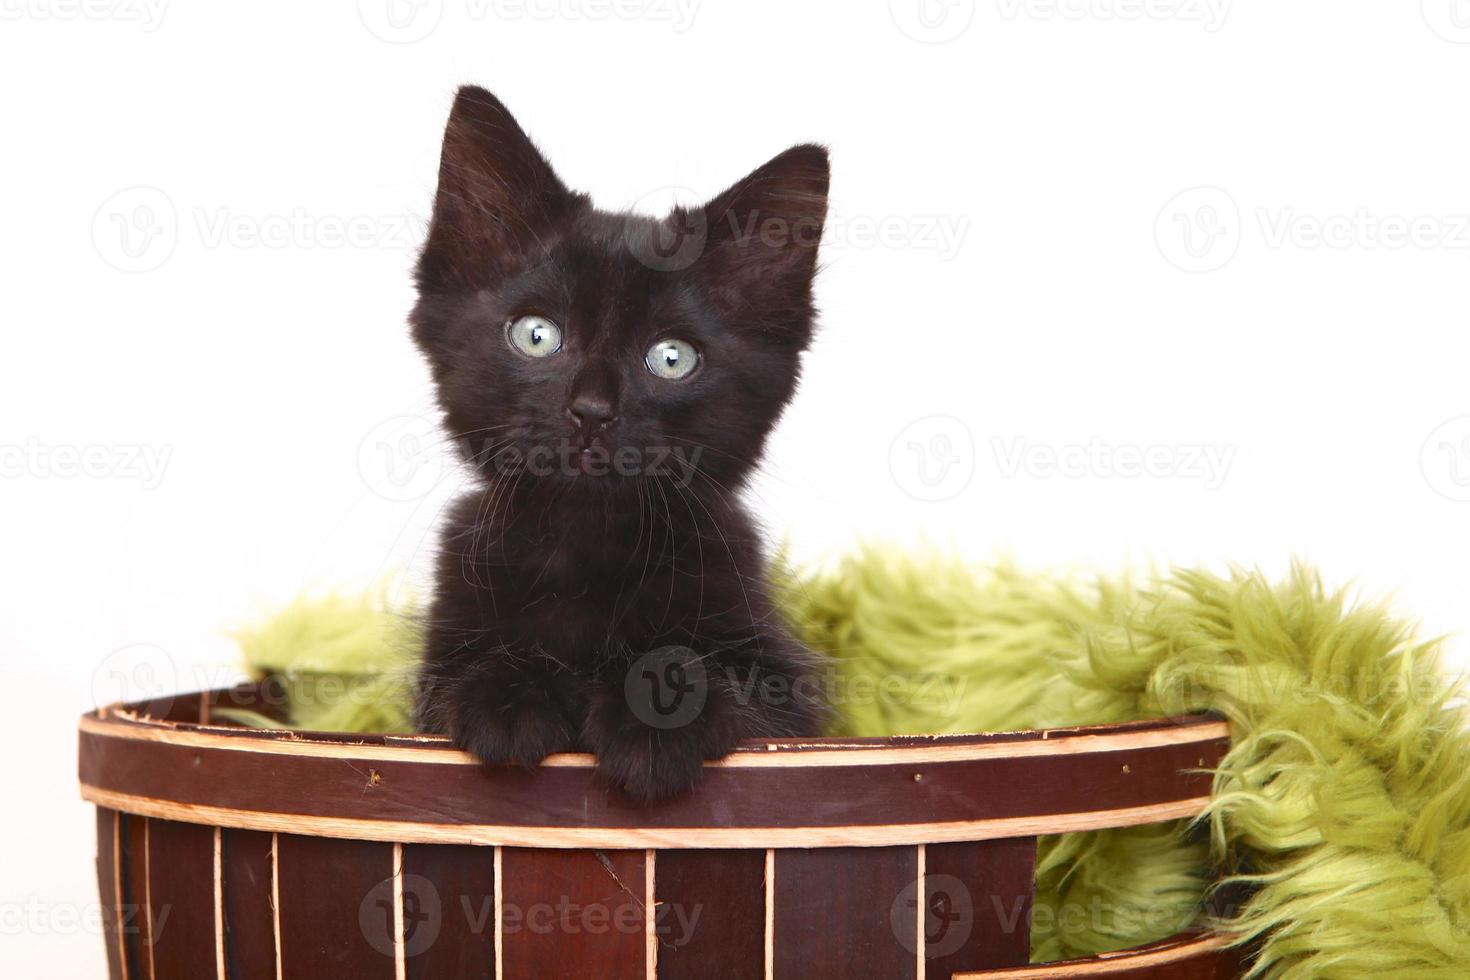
<point>336,909</point>
<point>449,912</point>
<point>138,922</point>
<point>978,905</point>
<point>250,941</point>
<point>109,888</point>
<point>711,914</point>
<point>845,912</point>
<point>181,890</point>
<point>572,914</point>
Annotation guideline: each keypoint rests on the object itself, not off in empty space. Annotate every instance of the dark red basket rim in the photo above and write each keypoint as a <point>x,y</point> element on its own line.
<point>172,765</point>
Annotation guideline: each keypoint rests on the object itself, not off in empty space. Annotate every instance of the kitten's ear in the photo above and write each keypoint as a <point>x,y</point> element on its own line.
<point>762,236</point>
<point>497,195</point>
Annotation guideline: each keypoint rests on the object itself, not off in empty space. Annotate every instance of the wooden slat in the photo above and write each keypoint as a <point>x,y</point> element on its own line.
<point>250,935</point>
<point>521,835</point>
<point>977,900</point>
<point>181,890</point>
<point>269,697</point>
<point>336,908</point>
<point>139,924</point>
<point>572,914</point>
<point>841,912</point>
<point>710,919</point>
<point>175,726</point>
<point>449,912</point>
<point>109,888</point>
<point>869,805</point>
<point>1187,958</point>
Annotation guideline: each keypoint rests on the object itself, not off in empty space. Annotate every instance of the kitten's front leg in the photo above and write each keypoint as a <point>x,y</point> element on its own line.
<point>499,710</point>
<point>653,727</point>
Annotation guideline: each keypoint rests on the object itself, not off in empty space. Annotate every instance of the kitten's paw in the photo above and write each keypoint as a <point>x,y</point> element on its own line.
<point>647,765</point>
<point>649,752</point>
<point>521,731</point>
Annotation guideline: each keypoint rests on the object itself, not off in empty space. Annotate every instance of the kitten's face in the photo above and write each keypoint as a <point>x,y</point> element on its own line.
<point>575,345</point>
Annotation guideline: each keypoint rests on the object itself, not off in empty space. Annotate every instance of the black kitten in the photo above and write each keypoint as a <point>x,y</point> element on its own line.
<point>612,379</point>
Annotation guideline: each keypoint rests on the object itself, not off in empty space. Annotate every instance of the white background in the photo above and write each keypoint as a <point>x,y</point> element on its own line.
<point>1237,232</point>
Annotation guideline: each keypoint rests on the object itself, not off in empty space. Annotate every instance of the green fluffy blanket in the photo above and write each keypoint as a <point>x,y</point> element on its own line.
<point>1343,805</point>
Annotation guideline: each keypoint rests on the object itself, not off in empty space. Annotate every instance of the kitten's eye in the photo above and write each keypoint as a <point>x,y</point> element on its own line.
<point>535,336</point>
<point>672,359</point>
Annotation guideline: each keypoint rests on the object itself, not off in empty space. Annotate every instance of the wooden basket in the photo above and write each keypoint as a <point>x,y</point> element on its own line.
<point>226,852</point>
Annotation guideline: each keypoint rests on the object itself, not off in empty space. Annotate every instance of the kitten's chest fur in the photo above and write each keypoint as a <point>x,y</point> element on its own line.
<point>589,582</point>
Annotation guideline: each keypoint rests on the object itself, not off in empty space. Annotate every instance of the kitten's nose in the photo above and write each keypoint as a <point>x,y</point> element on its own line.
<point>592,412</point>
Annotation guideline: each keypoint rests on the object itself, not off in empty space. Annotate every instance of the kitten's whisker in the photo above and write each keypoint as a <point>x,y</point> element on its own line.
<point>780,555</point>
<point>734,562</point>
<point>699,543</point>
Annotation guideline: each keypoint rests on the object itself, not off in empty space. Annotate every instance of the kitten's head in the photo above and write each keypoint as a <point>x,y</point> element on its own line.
<point>579,345</point>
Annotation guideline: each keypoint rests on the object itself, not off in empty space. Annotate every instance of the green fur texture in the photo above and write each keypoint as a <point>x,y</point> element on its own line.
<point>346,663</point>
<point>1343,806</point>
